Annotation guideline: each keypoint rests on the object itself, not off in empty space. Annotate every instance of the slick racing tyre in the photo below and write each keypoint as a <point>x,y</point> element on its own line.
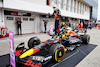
<point>57,51</point>
<point>34,41</point>
<point>86,39</point>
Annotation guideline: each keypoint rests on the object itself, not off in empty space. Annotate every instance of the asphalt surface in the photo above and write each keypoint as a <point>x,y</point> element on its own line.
<point>72,58</point>
<point>91,60</point>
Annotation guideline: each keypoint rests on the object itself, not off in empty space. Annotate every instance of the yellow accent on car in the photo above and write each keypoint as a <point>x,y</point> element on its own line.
<point>63,36</point>
<point>27,53</point>
<point>68,31</point>
<point>41,58</point>
<point>65,49</point>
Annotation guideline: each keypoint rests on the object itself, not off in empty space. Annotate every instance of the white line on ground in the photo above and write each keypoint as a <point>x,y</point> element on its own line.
<point>91,46</point>
<point>82,51</point>
<point>66,58</point>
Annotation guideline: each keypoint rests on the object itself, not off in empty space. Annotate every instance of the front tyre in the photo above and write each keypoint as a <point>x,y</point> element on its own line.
<point>57,51</point>
<point>86,39</point>
<point>34,41</point>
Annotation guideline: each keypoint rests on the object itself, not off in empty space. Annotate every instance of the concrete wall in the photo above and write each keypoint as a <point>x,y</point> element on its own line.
<point>86,15</point>
<point>1,17</point>
<point>0,4</point>
<point>42,2</point>
<point>0,13</point>
<point>27,6</point>
<point>37,23</point>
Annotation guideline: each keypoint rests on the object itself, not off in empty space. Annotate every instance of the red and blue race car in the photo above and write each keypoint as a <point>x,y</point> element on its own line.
<point>40,53</point>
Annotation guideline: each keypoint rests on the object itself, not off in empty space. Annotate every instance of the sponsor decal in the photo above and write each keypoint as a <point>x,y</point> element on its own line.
<point>56,41</point>
<point>47,58</point>
<point>32,64</point>
<point>38,58</point>
<point>21,46</point>
<point>41,58</point>
<point>73,41</point>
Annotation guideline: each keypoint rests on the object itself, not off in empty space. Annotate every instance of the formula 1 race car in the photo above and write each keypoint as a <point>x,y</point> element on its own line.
<point>63,29</point>
<point>40,53</point>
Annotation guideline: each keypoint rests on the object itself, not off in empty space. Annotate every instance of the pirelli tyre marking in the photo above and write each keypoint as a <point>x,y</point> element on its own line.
<point>59,53</point>
<point>88,39</point>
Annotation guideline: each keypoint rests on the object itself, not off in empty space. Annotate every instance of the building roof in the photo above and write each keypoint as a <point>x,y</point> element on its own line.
<point>26,6</point>
<point>93,3</point>
<point>38,8</point>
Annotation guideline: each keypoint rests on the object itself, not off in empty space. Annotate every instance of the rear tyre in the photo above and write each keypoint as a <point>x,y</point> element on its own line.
<point>86,39</point>
<point>57,51</point>
<point>34,41</point>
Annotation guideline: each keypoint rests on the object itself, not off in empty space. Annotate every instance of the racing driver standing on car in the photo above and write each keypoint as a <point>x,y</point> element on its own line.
<point>57,16</point>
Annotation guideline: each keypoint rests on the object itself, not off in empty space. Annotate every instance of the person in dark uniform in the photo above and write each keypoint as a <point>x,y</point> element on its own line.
<point>86,25</point>
<point>83,25</point>
<point>19,26</point>
<point>69,23</point>
<point>57,16</point>
<point>45,25</point>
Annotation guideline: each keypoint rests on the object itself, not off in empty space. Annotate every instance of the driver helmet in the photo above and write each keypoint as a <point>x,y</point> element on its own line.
<point>63,23</point>
<point>55,6</point>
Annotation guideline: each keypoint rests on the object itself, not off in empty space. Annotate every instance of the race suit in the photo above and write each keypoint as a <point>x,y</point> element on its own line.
<point>57,16</point>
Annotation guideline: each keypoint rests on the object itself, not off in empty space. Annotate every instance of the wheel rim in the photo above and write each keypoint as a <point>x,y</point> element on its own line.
<point>33,44</point>
<point>59,54</point>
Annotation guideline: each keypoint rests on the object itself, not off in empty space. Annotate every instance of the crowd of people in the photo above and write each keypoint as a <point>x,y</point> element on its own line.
<point>80,25</point>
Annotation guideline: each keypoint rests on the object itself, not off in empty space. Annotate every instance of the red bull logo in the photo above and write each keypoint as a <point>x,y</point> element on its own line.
<point>69,32</point>
<point>32,64</point>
